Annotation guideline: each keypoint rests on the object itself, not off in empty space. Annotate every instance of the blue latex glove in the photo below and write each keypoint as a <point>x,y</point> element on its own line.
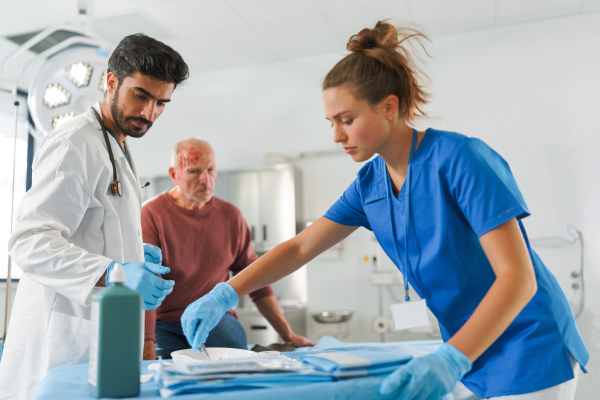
<point>152,254</point>
<point>200,317</point>
<point>429,377</point>
<point>140,277</point>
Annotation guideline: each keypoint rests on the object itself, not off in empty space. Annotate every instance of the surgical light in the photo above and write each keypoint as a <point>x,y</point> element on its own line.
<point>61,89</point>
<point>55,96</point>
<point>102,85</point>
<point>79,73</point>
<point>58,120</point>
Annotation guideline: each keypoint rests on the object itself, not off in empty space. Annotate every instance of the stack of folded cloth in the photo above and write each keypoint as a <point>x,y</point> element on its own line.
<point>295,368</point>
<point>353,364</point>
<point>185,377</point>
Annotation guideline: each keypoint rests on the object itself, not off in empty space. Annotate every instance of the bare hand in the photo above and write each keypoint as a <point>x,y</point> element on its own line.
<point>149,352</point>
<point>299,341</point>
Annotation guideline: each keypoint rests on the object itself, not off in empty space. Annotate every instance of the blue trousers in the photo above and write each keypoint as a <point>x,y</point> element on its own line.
<point>228,333</point>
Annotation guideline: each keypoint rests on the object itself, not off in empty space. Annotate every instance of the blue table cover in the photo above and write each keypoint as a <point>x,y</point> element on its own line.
<point>72,382</point>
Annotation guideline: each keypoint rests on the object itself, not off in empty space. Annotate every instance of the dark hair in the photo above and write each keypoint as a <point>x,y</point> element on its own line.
<point>148,56</point>
<point>380,65</point>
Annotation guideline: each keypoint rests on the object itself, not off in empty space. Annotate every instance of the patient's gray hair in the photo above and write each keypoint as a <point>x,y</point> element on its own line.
<point>175,155</point>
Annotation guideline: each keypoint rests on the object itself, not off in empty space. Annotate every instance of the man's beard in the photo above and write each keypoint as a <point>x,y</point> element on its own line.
<point>120,119</point>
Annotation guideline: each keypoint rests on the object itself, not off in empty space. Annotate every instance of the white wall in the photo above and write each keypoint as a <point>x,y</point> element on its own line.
<point>531,91</point>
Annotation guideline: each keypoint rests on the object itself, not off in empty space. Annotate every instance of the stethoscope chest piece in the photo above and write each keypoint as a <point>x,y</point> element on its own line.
<point>116,188</point>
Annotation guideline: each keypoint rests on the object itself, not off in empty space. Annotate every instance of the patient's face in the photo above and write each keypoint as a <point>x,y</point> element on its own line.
<point>196,172</point>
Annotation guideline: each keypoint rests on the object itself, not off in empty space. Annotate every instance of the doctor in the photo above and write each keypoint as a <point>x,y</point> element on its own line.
<point>75,221</point>
<point>446,209</point>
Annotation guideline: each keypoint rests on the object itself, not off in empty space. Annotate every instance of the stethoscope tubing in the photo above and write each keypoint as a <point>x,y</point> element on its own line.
<point>116,185</point>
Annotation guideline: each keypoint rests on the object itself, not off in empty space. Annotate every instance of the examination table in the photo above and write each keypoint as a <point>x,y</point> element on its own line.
<point>72,382</point>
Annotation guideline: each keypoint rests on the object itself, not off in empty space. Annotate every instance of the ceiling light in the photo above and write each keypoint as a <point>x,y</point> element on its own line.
<point>56,121</point>
<point>55,96</point>
<point>79,73</point>
<point>102,85</point>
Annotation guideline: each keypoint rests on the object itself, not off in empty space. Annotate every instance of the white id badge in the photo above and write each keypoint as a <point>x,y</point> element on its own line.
<point>411,314</point>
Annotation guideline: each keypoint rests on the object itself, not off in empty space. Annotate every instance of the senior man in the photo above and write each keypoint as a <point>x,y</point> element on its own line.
<point>75,222</point>
<point>202,238</point>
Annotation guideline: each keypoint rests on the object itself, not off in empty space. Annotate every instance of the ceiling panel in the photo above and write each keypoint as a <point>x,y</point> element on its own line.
<point>117,27</point>
<point>510,11</point>
<point>350,22</point>
<point>195,17</point>
<point>102,8</point>
<point>301,36</point>
<point>233,47</point>
<point>441,16</point>
<point>336,5</point>
<point>590,6</point>
<point>195,60</point>
<point>217,33</point>
<point>261,11</point>
<point>145,3</point>
<point>24,16</point>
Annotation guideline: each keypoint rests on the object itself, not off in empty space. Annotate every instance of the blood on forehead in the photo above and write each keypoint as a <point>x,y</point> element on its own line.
<point>188,155</point>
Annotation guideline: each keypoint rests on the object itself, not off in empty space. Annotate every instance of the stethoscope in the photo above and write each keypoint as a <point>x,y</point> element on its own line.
<point>115,187</point>
<point>406,214</point>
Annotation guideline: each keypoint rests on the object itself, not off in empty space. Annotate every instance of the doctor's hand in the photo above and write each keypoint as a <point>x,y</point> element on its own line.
<point>140,277</point>
<point>152,254</point>
<point>200,317</point>
<point>429,377</point>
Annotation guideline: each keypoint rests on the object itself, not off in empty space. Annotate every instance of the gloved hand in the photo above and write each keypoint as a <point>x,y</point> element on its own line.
<point>200,317</point>
<point>152,254</point>
<point>429,377</point>
<point>140,277</point>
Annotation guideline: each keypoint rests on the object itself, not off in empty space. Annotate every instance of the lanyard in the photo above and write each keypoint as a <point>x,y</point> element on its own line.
<point>406,214</point>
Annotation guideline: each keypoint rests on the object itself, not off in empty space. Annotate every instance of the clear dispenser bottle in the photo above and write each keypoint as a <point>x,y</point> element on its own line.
<point>115,349</point>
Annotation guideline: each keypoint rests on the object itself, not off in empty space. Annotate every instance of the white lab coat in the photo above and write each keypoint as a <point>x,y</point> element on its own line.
<point>68,229</point>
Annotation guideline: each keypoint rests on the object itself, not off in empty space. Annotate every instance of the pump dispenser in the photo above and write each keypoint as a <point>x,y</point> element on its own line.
<point>115,349</point>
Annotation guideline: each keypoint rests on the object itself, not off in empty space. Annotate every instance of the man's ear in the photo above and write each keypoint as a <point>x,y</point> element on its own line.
<point>173,176</point>
<point>111,83</point>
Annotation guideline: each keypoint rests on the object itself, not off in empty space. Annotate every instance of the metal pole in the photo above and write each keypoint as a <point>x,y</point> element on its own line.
<point>8,275</point>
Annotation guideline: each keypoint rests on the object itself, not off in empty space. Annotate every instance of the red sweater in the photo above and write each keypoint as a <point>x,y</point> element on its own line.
<point>200,247</point>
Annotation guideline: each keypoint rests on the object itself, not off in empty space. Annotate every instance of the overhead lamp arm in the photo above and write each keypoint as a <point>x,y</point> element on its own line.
<point>38,38</point>
<point>10,82</point>
<point>94,42</point>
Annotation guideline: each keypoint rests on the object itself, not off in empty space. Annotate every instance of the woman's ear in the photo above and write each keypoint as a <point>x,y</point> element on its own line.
<point>390,104</point>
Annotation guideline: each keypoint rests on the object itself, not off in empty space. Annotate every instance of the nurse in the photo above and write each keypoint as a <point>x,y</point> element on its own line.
<point>447,211</point>
<point>76,221</point>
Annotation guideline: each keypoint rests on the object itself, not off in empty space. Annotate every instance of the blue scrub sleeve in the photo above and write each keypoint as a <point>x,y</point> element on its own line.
<point>348,210</point>
<point>483,186</point>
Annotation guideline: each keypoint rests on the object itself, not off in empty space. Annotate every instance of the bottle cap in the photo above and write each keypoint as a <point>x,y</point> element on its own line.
<point>117,274</point>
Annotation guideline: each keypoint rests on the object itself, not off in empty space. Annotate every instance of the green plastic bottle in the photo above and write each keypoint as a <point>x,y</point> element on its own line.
<point>115,349</point>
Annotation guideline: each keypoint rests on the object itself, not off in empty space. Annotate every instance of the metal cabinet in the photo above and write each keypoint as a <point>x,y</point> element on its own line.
<point>242,189</point>
<point>269,199</point>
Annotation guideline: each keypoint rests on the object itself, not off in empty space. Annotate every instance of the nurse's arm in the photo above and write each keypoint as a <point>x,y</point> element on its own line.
<point>290,256</point>
<point>514,287</point>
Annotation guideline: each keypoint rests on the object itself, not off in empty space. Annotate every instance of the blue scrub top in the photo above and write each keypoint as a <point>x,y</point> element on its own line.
<point>461,189</point>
